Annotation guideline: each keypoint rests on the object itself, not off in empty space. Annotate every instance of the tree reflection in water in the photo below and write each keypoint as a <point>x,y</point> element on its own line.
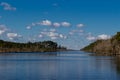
<point>117,63</point>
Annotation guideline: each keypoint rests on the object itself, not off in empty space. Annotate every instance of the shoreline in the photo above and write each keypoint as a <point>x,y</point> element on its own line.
<point>37,52</point>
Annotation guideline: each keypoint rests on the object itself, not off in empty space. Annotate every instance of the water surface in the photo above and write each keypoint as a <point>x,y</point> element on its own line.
<point>69,65</point>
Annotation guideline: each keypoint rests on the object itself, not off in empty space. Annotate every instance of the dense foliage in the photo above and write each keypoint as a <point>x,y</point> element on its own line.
<point>45,46</point>
<point>91,46</point>
<point>105,47</point>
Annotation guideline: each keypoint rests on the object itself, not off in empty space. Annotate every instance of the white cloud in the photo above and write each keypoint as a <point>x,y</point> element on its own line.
<point>62,36</point>
<point>56,24</point>
<point>71,33</point>
<point>99,37</point>
<point>28,27</point>
<point>103,37</point>
<point>77,31</point>
<point>46,23</point>
<point>52,34</point>
<point>32,39</point>
<point>13,36</point>
<point>40,36</point>
<point>7,6</point>
<point>49,23</point>
<point>58,36</point>
<point>42,23</point>
<point>80,25</point>
<point>1,32</point>
<point>2,29</point>
<point>65,37</point>
<point>65,24</point>
<point>44,33</point>
<point>91,38</point>
<point>54,37</point>
<point>33,24</point>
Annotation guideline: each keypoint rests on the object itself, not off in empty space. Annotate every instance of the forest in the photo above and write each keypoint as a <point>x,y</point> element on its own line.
<point>45,46</point>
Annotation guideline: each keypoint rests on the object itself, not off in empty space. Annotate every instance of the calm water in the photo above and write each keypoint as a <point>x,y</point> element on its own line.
<point>71,65</point>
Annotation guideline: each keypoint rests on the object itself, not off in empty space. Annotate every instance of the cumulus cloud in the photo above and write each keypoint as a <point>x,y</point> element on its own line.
<point>46,23</point>
<point>98,37</point>
<point>56,24</point>
<point>28,27</point>
<point>49,23</point>
<point>13,36</point>
<point>91,38</point>
<point>62,36</point>
<point>52,34</point>
<point>76,32</point>
<point>80,25</point>
<point>54,37</point>
<point>65,24</point>
<point>7,6</point>
<point>103,37</point>
<point>2,29</point>
<point>42,23</point>
<point>33,24</point>
<point>40,36</point>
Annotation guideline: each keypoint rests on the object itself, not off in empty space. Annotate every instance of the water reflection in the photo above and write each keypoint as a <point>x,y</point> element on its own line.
<point>73,65</point>
<point>117,63</point>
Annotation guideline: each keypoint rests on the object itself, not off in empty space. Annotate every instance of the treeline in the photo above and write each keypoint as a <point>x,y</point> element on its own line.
<point>105,47</point>
<point>45,46</point>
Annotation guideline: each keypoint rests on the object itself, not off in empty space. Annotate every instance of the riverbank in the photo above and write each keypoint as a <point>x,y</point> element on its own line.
<point>14,47</point>
<point>107,47</point>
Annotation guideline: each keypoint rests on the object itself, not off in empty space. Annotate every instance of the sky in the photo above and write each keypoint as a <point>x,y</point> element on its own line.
<point>70,23</point>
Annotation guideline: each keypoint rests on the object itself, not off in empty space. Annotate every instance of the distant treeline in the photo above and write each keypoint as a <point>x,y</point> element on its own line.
<point>45,46</point>
<point>105,47</point>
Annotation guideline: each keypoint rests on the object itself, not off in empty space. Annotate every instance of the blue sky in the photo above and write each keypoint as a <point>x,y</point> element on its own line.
<point>71,23</point>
